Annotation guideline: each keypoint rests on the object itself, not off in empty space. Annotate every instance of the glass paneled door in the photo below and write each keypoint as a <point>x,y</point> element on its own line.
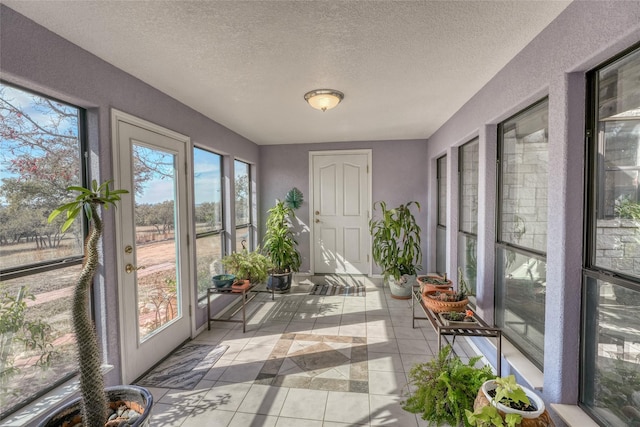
<point>153,274</point>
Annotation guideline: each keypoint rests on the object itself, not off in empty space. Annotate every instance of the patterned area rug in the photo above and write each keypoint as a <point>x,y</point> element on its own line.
<point>338,289</point>
<point>185,367</point>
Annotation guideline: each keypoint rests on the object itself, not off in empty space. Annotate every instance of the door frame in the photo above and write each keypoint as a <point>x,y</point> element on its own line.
<point>312,239</point>
<point>120,116</point>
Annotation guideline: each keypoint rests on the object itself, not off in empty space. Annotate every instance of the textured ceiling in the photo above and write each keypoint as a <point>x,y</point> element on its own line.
<point>405,67</point>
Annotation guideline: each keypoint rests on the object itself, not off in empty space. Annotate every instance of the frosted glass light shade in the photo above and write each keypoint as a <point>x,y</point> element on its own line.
<point>323,99</point>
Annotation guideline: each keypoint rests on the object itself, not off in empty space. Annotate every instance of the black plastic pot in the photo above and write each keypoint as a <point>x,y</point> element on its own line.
<point>280,282</point>
<point>129,394</point>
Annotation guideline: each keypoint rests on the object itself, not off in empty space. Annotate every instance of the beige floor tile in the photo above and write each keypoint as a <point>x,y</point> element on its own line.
<point>167,415</point>
<point>387,411</point>
<point>241,419</point>
<point>412,346</point>
<point>350,408</point>
<point>297,422</point>
<point>385,362</point>
<point>241,372</point>
<point>305,404</point>
<point>225,396</point>
<point>381,382</point>
<point>382,345</point>
<point>263,399</point>
<point>206,417</point>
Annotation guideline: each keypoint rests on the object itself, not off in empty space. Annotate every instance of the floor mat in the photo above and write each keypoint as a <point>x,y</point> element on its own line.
<point>185,367</point>
<point>338,289</point>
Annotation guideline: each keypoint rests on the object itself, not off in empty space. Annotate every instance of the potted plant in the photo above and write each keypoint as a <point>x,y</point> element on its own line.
<point>445,387</point>
<point>440,301</point>
<point>396,247</point>
<point>503,402</point>
<point>245,265</point>
<point>96,403</point>
<point>279,245</point>
<point>434,283</point>
<point>459,318</point>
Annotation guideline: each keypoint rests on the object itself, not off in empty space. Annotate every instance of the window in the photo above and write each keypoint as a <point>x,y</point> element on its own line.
<point>522,229</point>
<point>40,156</point>
<point>441,228</point>
<point>468,212</point>
<point>207,184</point>
<point>243,205</point>
<point>610,376</point>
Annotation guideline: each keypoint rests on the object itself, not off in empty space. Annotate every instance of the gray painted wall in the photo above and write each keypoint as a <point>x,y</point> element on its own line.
<point>553,65</point>
<point>398,176</point>
<point>37,59</point>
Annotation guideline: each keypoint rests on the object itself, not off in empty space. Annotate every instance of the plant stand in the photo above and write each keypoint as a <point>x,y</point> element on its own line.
<point>246,291</point>
<point>543,420</point>
<point>480,329</point>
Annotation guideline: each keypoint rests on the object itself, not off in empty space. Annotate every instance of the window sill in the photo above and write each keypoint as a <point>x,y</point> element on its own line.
<point>572,415</point>
<point>513,361</point>
<point>32,412</point>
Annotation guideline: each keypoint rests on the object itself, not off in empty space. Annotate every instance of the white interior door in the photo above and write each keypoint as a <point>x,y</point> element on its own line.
<point>152,244</point>
<point>341,188</point>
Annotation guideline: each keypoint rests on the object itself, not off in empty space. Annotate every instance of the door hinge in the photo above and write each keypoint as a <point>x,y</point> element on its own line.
<point>367,168</point>
<point>367,257</point>
<point>190,311</point>
<point>187,239</point>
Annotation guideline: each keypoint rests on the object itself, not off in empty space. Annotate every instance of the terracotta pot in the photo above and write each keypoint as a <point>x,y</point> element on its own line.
<point>426,285</point>
<point>438,306</point>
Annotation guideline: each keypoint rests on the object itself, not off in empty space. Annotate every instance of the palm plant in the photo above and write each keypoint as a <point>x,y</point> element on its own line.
<point>396,240</point>
<point>279,244</point>
<point>94,398</point>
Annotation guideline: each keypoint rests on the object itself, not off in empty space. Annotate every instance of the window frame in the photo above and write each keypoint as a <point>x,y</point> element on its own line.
<point>248,225</point>
<point>219,232</point>
<point>594,209</point>
<point>441,220</point>
<point>465,234</point>
<point>37,268</point>
<point>501,245</point>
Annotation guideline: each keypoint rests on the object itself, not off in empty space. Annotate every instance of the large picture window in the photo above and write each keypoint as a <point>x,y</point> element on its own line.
<point>243,205</point>
<point>441,228</point>
<point>521,273</point>
<point>610,377</point>
<point>208,197</point>
<point>468,213</point>
<point>40,156</point>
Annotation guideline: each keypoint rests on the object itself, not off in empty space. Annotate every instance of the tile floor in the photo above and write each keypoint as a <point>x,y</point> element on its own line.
<point>308,361</point>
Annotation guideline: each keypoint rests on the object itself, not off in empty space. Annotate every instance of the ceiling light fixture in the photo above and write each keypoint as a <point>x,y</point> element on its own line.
<point>323,99</point>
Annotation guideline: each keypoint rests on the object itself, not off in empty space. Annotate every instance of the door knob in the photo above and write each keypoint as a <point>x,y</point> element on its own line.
<point>317,220</point>
<point>317,212</point>
<point>129,268</point>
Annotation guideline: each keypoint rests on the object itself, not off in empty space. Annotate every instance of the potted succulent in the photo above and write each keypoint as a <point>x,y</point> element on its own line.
<point>279,245</point>
<point>247,266</point>
<point>96,403</point>
<point>444,387</point>
<point>433,282</point>
<point>503,402</point>
<point>441,301</point>
<point>396,247</point>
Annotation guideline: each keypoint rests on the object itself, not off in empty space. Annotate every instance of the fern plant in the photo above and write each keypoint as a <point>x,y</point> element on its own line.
<point>445,387</point>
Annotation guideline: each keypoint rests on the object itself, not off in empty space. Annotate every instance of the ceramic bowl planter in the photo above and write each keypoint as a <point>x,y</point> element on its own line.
<point>440,301</point>
<point>401,289</point>
<point>134,398</point>
<point>536,402</point>
<point>280,282</point>
<point>457,318</point>
<point>223,281</point>
<point>434,283</point>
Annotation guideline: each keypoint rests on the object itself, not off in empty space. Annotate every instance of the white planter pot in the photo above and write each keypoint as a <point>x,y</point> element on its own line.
<point>535,401</point>
<point>402,288</point>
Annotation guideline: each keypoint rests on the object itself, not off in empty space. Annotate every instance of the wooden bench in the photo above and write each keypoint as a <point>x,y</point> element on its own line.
<point>482,329</point>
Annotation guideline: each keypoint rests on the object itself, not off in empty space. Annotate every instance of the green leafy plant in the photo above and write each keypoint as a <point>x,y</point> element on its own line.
<point>94,398</point>
<point>245,265</point>
<point>396,240</point>
<point>445,387</point>
<point>627,208</point>
<point>509,393</point>
<point>15,328</point>
<point>279,244</point>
